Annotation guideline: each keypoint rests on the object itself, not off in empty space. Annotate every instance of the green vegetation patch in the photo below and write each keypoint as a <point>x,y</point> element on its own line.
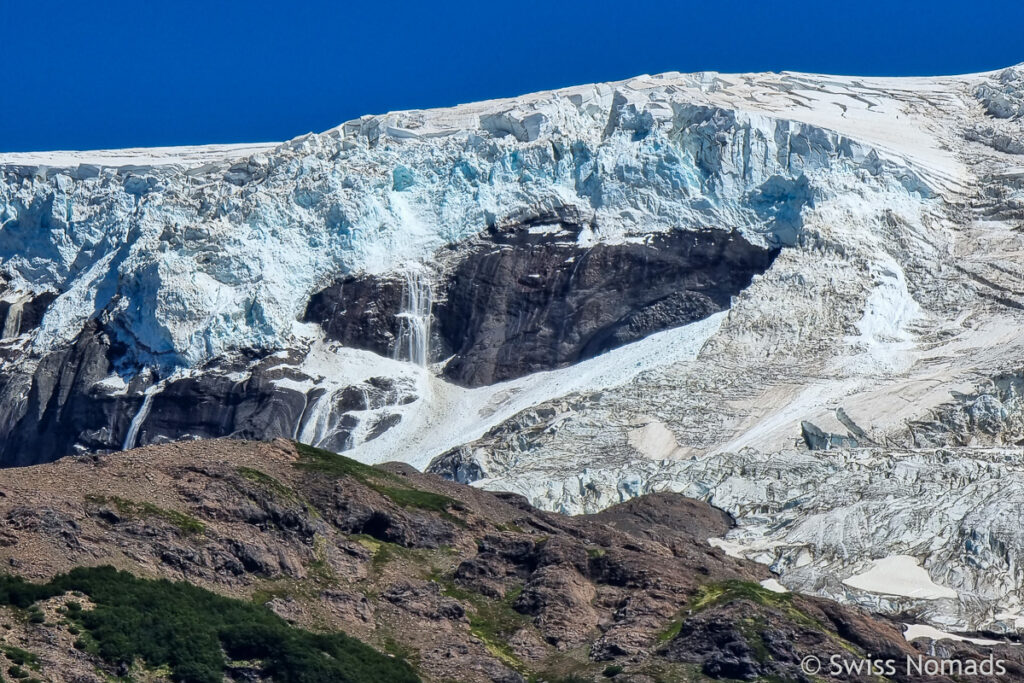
<point>492,621</point>
<point>319,460</point>
<point>20,657</point>
<point>130,508</point>
<point>267,482</point>
<point>724,592</point>
<point>196,633</point>
<point>415,498</point>
<point>671,631</point>
<point>384,483</point>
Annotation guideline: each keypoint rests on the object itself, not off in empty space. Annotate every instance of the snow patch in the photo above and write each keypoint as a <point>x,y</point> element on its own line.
<point>774,586</point>
<point>915,631</point>
<point>899,575</point>
<point>654,440</point>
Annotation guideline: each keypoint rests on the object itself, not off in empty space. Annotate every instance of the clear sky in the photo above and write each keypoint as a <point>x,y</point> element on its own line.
<point>84,74</point>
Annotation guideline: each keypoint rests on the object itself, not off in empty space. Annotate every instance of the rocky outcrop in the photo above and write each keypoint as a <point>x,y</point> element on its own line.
<point>61,406</point>
<point>518,303</point>
<point>360,311</point>
<point>527,302</point>
<point>818,440</point>
<point>469,585</point>
<point>530,298</point>
<point>22,313</point>
<point>992,415</point>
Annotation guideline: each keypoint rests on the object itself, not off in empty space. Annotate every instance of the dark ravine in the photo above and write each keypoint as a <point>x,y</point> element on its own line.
<point>466,585</point>
<point>519,299</point>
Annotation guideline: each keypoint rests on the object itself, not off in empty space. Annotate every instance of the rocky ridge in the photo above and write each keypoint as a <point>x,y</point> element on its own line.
<point>465,584</point>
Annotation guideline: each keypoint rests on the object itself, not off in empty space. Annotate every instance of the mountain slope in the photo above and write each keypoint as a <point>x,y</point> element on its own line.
<point>465,584</point>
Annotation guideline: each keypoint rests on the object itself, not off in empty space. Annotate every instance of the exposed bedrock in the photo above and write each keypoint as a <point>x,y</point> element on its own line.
<point>42,414</point>
<point>223,403</point>
<point>76,401</point>
<point>359,311</point>
<point>533,299</point>
<point>81,398</point>
<point>520,300</point>
<point>529,304</point>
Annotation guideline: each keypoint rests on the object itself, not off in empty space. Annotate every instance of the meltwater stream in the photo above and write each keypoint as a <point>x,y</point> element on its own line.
<point>413,342</point>
<point>321,422</point>
<point>140,417</point>
<point>12,323</point>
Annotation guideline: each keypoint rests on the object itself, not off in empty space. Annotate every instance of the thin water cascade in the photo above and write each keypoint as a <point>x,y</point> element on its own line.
<point>317,421</point>
<point>140,417</point>
<point>413,342</point>
<point>12,323</point>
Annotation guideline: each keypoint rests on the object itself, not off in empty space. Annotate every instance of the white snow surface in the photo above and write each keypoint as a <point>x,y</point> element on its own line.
<point>915,631</point>
<point>143,157</point>
<point>774,586</point>
<point>899,575</point>
<point>445,415</point>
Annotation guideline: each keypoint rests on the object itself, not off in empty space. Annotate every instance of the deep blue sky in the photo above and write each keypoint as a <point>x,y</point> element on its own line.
<point>88,74</point>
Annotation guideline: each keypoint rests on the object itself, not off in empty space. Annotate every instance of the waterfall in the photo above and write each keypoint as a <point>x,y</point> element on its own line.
<point>316,425</point>
<point>140,417</point>
<point>413,342</point>
<point>12,323</point>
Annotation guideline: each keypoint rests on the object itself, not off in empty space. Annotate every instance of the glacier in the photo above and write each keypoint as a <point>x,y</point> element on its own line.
<point>304,290</point>
<point>377,193</point>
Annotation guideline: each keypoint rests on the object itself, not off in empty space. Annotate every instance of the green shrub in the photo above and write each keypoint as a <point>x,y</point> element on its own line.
<point>319,460</point>
<point>189,630</point>
<point>19,656</point>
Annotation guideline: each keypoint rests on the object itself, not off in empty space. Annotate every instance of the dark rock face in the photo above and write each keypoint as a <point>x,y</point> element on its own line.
<point>64,406</point>
<point>667,518</point>
<point>214,405</point>
<point>529,304</point>
<point>61,406</point>
<point>520,302</point>
<point>29,313</point>
<point>67,411</point>
<point>359,311</point>
<point>820,440</point>
<point>424,600</point>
